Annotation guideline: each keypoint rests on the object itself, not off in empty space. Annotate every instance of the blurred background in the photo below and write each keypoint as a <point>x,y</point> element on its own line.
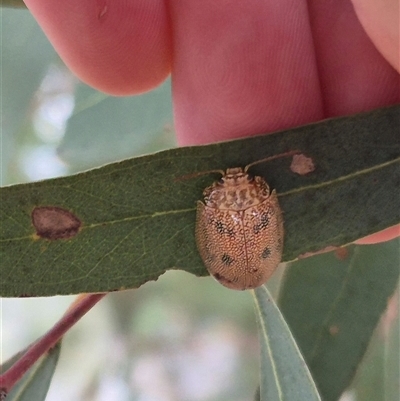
<point>179,338</point>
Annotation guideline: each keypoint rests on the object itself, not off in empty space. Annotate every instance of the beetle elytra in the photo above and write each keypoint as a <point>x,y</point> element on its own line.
<point>239,228</point>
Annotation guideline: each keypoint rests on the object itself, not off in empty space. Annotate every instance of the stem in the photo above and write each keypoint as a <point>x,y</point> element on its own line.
<point>78,309</point>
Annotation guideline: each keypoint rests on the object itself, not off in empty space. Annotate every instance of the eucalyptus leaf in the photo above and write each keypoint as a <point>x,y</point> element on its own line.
<point>284,374</point>
<point>377,377</point>
<point>133,220</point>
<point>333,302</point>
<point>35,383</point>
<point>379,374</point>
<point>22,41</point>
<point>13,3</point>
<point>105,128</point>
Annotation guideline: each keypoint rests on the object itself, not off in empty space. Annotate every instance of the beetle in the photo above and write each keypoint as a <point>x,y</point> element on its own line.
<point>239,228</point>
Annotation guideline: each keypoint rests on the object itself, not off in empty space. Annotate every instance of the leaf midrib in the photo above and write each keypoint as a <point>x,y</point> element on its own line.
<point>347,177</point>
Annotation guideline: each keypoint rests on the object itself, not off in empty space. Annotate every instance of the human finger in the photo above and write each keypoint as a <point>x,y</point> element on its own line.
<point>241,68</point>
<point>380,19</point>
<point>382,236</point>
<point>119,47</point>
<point>354,77</point>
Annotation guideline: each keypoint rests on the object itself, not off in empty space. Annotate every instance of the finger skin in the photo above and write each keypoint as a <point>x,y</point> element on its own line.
<point>382,236</point>
<point>120,47</point>
<point>380,19</point>
<point>241,68</point>
<point>353,74</point>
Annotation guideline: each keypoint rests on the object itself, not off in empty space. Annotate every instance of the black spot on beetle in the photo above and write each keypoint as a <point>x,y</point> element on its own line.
<point>266,253</point>
<point>264,223</point>
<point>221,279</point>
<point>220,227</point>
<point>226,259</point>
<point>223,229</point>
<point>264,220</point>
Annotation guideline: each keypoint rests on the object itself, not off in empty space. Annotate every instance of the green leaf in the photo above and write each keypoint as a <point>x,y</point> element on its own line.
<point>284,374</point>
<point>104,128</point>
<point>12,3</point>
<point>379,374</point>
<point>377,377</point>
<point>34,384</point>
<point>332,306</point>
<point>22,41</point>
<point>137,217</point>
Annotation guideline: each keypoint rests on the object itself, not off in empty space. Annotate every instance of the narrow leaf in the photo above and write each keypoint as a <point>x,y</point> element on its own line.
<point>35,383</point>
<point>129,121</point>
<point>284,374</point>
<point>127,223</point>
<point>377,377</point>
<point>332,305</point>
<point>13,3</point>
<point>21,42</point>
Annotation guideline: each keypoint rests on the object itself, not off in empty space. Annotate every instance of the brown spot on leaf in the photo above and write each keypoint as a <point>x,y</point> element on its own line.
<point>302,165</point>
<point>333,330</point>
<point>342,253</point>
<point>54,223</point>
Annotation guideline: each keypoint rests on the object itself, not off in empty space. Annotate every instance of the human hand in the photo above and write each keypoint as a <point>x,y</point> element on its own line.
<point>238,68</point>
